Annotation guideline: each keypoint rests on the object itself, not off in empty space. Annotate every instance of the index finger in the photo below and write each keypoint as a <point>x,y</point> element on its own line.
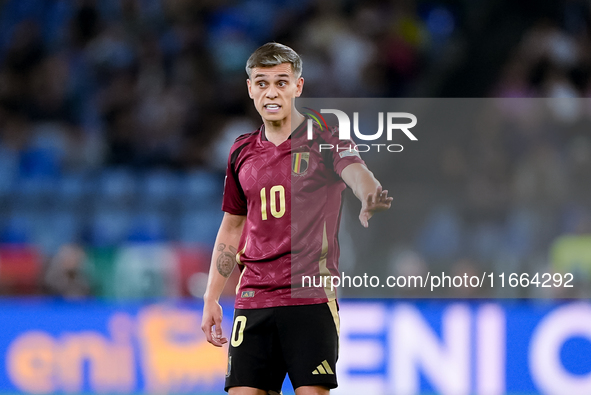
<point>207,327</point>
<point>217,336</point>
<point>217,340</point>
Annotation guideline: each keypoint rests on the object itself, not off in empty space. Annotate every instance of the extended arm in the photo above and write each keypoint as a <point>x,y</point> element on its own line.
<point>367,189</point>
<point>223,261</point>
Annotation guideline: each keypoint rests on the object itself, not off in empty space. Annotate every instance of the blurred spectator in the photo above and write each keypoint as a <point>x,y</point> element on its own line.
<point>65,275</point>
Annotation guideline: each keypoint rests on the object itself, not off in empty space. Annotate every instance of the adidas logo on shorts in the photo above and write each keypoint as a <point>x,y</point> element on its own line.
<point>323,368</point>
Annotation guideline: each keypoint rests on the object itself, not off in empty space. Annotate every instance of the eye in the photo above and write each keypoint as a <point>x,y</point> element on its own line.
<point>262,84</point>
<point>282,83</point>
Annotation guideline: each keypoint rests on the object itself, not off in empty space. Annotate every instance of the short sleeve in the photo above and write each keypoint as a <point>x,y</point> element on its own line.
<point>344,152</point>
<point>234,201</point>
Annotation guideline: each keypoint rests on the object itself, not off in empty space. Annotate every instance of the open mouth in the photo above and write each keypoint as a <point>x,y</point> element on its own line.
<point>272,107</point>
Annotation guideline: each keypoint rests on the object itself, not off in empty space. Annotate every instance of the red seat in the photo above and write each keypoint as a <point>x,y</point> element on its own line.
<point>21,269</point>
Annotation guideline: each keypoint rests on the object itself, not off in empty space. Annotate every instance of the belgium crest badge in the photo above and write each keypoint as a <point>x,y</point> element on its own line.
<point>300,162</point>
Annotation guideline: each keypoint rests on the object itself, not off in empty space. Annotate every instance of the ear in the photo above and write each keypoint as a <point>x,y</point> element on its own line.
<point>300,86</point>
<point>249,85</point>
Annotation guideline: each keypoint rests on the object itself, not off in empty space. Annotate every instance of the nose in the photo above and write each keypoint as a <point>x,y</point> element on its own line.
<point>271,92</point>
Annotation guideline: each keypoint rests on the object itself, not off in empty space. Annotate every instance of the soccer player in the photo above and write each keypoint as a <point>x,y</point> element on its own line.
<point>282,199</point>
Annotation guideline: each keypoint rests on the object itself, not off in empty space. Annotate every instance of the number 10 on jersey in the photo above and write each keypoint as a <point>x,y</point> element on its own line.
<point>276,195</point>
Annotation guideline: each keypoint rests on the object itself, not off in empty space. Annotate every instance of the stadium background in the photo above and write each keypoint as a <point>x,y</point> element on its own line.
<point>115,122</point>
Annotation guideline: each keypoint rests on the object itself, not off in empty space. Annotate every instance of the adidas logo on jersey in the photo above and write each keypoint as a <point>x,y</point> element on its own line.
<point>323,368</point>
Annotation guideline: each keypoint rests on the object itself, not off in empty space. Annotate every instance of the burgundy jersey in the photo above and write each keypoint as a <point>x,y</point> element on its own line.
<point>291,196</point>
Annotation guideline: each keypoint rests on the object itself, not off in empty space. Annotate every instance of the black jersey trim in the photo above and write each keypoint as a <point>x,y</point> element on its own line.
<point>243,136</point>
<point>233,160</point>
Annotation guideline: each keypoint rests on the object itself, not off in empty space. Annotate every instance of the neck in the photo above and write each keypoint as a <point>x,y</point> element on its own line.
<point>279,131</point>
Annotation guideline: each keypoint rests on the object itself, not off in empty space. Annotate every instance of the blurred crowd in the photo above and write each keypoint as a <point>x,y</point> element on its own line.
<point>506,189</point>
<point>116,117</point>
<point>149,83</point>
<point>552,59</point>
<point>526,178</point>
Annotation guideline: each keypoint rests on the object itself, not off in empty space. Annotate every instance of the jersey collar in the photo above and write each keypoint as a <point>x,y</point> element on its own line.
<point>296,132</point>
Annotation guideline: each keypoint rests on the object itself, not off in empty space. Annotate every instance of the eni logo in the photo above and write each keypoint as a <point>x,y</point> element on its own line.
<point>175,357</point>
<point>163,345</point>
<point>40,363</point>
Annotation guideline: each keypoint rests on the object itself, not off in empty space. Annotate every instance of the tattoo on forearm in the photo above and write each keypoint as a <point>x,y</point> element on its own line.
<point>226,260</point>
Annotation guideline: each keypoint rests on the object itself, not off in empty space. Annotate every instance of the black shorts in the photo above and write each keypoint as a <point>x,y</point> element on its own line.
<point>301,341</point>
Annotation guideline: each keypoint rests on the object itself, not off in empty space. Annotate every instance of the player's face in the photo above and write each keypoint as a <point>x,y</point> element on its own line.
<point>272,90</point>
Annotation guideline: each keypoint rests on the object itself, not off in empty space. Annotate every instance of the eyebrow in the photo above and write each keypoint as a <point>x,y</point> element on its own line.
<point>278,75</point>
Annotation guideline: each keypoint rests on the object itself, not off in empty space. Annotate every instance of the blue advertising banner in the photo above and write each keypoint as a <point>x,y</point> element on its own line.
<point>387,348</point>
<point>459,348</point>
<point>106,348</point>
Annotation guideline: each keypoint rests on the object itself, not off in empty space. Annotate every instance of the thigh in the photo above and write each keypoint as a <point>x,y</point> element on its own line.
<point>246,391</point>
<point>309,341</point>
<point>254,356</point>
